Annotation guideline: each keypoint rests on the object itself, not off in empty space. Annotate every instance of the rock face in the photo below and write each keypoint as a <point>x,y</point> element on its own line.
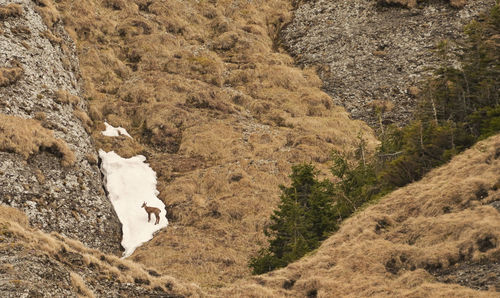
<point>369,52</point>
<point>41,82</point>
<point>473,275</point>
<point>35,264</point>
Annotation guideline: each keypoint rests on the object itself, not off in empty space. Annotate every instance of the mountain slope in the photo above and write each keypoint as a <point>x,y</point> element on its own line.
<point>218,111</point>
<point>221,114</point>
<point>48,163</point>
<point>37,264</point>
<point>405,243</point>
<point>400,246</point>
<point>372,55</point>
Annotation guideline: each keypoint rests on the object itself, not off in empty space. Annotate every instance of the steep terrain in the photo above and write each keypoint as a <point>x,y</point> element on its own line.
<point>36,264</point>
<point>372,55</point>
<point>220,114</point>
<point>438,237</point>
<point>48,163</point>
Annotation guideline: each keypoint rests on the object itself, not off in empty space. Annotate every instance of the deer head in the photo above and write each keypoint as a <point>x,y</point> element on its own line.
<point>143,205</point>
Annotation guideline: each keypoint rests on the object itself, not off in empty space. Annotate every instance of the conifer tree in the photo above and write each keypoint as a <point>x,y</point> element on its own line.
<point>304,218</point>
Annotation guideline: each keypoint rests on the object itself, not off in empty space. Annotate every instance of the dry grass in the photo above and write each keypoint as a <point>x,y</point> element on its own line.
<point>208,97</point>
<point>48,12</point>
<point>458,3</point>
<point>389,248</point>
<point>84,118</point>
<point>39,176</point>
<point>122,145</point>
<point>64,97</point>
<point>27,137</point>
<point>219,111</point>
<point>54,40</point>
<point>56,247</point>
<point>9,76</point>
<point>221,116</point>
<point>10,10</point>
<point>79,284</point>
<point>14,215</point>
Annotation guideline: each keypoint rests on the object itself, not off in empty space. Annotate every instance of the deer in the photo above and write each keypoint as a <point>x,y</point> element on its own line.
<point>150,210</point>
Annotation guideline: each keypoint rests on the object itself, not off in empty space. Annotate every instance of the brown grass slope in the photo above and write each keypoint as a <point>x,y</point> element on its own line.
<point>36,264</point>
<point>391,248</point>
<point>218,111</point>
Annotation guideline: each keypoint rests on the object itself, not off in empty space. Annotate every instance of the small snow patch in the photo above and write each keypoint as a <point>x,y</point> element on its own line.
<point>114,131</point>
<point>130,182</point>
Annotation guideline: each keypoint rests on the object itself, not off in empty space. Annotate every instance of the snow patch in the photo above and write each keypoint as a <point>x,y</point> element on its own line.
<point>114,131</point>
<point>130,182</point>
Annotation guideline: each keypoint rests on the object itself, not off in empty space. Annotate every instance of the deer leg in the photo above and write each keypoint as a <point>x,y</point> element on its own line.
<point>157,219</point>
<point>149,216</point>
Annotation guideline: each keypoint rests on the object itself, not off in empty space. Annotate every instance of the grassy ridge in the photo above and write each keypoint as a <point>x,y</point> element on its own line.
<point>394,247</point>
<point>459,106</point>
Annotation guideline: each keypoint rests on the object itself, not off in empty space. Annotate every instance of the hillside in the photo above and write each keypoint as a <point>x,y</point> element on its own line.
<point>48,164</point>
<point>438,237</point>
<point>36,264</point>
<point>219,113</point>
<point>374,54</point>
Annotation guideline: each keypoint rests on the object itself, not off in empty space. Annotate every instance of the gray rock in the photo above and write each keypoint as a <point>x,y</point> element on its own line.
<point>496,205</point>
<point>367,52</point>
<point>29,272</point>
<point>68,200</point>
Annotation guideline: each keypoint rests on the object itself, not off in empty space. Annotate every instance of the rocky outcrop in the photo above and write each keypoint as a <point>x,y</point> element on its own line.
<point>373,54</point>
<point>35,264</point>
<point>48,164</point>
